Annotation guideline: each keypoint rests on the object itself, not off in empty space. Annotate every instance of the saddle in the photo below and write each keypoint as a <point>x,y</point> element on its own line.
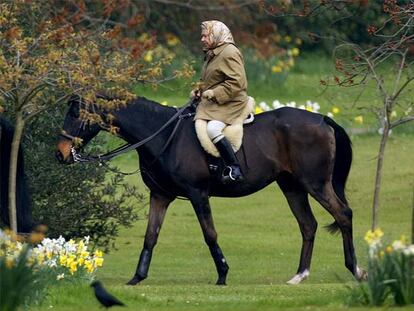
<point>234,132</point>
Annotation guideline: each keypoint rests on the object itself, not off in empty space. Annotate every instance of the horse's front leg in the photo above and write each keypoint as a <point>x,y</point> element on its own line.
<point>158,207</point>
<point>201,206</point>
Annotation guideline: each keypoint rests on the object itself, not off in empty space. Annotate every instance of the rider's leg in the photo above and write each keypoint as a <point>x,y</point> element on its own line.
<point>215,132</point>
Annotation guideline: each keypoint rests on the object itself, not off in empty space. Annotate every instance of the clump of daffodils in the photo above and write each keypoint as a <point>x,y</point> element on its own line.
<point>390,271</point>
<point>64,258</point>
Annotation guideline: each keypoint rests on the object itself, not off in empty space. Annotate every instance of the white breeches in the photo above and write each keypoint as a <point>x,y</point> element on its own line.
<point>215,130</point>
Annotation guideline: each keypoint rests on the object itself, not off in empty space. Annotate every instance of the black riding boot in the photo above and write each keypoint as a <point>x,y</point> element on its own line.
<point>232,173</point>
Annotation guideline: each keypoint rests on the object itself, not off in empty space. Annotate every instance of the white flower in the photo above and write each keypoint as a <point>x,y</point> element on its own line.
<point>291,104</point>
<point>60,276</point>
<point>409,250</point>
<point>398,245</point>
<point>381,131</point>
<point>302,107</point>
<point>315,107</point>
<point>330,114</point>
<point>87,238</point>
<point>264,106</point>
<point>276,104</point>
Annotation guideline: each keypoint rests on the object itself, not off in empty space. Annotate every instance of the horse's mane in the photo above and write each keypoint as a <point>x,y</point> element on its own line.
<point>153,106</point>
<point>23,200</point>
<point>144,103</point>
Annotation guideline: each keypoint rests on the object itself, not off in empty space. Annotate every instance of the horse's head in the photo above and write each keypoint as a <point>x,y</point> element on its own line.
<point>77,130</point>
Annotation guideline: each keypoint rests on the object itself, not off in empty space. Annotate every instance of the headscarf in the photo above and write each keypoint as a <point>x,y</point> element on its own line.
<point>218,32</point>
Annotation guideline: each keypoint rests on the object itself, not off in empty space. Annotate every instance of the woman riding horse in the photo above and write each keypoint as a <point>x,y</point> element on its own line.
<point>304,153</point>
<point>223,91</point>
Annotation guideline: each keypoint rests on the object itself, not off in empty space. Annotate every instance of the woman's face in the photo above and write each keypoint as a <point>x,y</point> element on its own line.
<point>205,40</point>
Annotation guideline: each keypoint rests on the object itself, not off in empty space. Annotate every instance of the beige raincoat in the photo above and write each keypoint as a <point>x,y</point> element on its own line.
<point>223,72</point>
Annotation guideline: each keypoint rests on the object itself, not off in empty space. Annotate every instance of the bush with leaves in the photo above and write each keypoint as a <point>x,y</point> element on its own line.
<point>78,200</point>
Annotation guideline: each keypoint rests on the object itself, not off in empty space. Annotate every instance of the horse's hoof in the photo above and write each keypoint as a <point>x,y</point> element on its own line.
<point>298,278</point>
<point>361,274</point>
<point>135,280</point>
<point>221,282</point>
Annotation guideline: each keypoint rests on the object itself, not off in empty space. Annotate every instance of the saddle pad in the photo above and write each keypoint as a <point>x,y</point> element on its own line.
<point>234,132</point>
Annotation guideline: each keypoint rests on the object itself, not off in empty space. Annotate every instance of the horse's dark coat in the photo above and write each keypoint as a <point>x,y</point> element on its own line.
<point>305,153</point>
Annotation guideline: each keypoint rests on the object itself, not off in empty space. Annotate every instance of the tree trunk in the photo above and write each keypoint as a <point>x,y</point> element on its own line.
<point>14,154</point>
<point>412,222</point>
<point>378,175</point>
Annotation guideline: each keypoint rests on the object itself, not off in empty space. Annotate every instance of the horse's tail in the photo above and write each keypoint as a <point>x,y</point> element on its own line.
<point>342,165</point>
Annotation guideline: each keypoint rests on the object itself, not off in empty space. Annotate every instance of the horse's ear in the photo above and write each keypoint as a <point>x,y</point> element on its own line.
<point>74,98</point>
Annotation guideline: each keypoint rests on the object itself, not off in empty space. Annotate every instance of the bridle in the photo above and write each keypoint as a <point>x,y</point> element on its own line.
<point>79,158</point>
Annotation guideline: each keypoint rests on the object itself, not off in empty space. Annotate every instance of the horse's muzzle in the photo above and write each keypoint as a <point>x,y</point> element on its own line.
<point>63,153</point>
<point>62,159</point>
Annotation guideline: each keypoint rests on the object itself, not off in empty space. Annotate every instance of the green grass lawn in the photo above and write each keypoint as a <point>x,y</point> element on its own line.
<point>261,241</point>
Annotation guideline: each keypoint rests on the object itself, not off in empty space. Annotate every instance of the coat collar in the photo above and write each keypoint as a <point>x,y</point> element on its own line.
<point>220,48</point>
<point>210,54</point>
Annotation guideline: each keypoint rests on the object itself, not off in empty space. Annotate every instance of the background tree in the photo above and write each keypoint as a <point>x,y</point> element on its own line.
<point>373,43</point>
<point>53,49</point>
<point>389,65</point>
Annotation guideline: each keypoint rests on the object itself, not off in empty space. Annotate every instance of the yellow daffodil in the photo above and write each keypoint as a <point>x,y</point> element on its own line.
<point>258,110</point>
<point>89,266</point>
<point>309,108</point>
<point>288,39</point>
<point>295,52</point>
<point>73,267</point>
<point>298,41</point>
<point>335,110</point>
<point>63,259</point>
<point>98,253</point>
<point>373,237</point>
<point>164,103</point>
<point>40,258</point>
<point>99,262</point>
<point>359,119</point>
<point>276,69</point>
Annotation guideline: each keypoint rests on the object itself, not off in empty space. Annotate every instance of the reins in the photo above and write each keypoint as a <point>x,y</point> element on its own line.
<point>79,158</point>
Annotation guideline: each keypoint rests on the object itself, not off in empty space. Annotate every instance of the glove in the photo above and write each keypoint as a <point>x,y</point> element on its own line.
<point>209,94</point>
<point>195,93</point>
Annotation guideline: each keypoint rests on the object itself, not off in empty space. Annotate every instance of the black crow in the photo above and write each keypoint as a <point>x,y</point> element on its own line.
<point>105,298</point>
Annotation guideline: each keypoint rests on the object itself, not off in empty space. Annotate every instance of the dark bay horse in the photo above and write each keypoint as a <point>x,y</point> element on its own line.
<point>305,153</point>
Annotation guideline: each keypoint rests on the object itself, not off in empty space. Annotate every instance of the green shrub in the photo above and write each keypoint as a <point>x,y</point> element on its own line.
<point>76,200</point>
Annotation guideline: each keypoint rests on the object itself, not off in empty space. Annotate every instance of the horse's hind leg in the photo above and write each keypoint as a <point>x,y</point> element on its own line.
<point>326,196</point>
<point>158,208</point>
<point>202,209</point>
<point>297,198</point>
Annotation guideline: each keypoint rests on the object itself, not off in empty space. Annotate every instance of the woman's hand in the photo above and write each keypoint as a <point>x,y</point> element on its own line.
<point>195,93</point>
<point>209,94</point>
